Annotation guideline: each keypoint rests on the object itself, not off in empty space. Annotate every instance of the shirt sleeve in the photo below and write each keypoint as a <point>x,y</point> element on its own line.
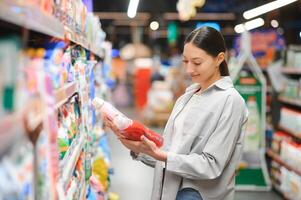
<point>147,160</point>
<point>210,163</point>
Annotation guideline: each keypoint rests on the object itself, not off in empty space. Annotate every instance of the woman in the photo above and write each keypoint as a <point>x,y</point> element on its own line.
<point>203,137</point>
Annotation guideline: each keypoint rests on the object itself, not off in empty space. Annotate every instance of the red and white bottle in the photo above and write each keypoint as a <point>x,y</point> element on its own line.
<point>131,129</point>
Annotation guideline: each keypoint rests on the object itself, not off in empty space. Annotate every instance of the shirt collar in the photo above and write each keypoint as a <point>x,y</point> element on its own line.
<point>224,83</point>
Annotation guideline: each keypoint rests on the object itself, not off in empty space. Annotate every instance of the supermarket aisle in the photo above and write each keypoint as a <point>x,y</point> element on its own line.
<point>133,181</point>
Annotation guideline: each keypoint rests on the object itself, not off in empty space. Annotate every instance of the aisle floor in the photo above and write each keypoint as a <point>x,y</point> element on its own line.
<point>132,180</point>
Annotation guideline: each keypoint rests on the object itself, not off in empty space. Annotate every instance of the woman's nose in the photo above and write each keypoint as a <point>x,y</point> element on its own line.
<point>189,68</point>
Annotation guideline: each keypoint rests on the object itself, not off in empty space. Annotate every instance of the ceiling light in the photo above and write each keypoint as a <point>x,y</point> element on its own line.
<point>154,25</point>
<point>266,8</point>
<point>132,9</point>
<point>274,23</point>
<point>249,25</point>
<point>239,28</point>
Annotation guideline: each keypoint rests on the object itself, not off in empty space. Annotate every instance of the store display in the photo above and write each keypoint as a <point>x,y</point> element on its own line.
<point>16,177</point>
<point>278,137</point>
<point>58,72</point>
<point>57,78</point>
<point>250,82</point>
<point>252,138</point>
<point>290,153</point>
<point>290,184</point>
<point>265,46</point>
<point>131,129</point>
<point>293,56</point>
<point>292,89</point>
<point>291,120</point>
<point>9,65</point>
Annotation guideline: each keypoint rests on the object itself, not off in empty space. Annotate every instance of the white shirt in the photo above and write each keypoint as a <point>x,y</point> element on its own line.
<point>204,138</point>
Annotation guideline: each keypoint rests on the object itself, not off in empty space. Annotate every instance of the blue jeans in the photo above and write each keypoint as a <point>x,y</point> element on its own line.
<point>188,194</point>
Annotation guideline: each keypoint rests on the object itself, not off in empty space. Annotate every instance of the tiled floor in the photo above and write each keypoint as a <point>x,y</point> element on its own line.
<point>133,180</point>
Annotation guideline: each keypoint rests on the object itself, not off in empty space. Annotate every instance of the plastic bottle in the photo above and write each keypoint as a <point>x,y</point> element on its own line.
<point>119,119</point>
<point>252,139</point>
<point>131,129</point>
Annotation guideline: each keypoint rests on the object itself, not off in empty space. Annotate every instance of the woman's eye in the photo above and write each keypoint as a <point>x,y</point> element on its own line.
<point>197,63</point>
<point>185,61</point>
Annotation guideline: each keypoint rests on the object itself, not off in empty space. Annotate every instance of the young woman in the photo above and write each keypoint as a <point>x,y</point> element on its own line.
<point>203,137</point>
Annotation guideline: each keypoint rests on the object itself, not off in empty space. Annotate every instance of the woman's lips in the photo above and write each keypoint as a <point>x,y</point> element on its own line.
<point>194,75</point>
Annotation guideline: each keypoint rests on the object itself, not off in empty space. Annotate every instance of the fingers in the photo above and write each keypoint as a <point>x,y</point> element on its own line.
<point>147,141</point>
<point>132,145</point>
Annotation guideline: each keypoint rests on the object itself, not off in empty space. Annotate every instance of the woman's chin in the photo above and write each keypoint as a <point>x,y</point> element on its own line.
<point>196,79</point>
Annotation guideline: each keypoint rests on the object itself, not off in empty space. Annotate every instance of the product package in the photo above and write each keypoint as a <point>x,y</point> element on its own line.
<point>131,129</point>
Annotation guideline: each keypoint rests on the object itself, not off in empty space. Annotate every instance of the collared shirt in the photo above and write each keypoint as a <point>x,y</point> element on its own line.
<point>204,139</point>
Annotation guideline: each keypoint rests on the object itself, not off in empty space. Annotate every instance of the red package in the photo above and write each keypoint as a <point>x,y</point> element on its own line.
<point>136,130</point>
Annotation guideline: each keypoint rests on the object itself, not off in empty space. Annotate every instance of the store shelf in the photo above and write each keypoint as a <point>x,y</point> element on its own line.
<point>10,127</point>
<point>70,159</point>
<point>9,122</point>
<point>32,18</point>
<point>80,40</point>
<point>278,189</point>
<point>291,101</point>
<point>286,130</point>
<point>291,71</point>
<point>63,94</point>
<point>82,195</point>
<point>279,160</point>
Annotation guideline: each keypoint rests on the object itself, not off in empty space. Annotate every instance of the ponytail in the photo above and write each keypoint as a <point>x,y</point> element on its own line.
<point>223,68</point>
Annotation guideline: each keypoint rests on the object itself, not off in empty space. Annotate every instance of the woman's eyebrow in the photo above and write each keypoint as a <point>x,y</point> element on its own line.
<point>196,58</point>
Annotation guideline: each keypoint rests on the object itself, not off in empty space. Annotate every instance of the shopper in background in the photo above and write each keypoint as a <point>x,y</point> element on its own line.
<point>204,134</point>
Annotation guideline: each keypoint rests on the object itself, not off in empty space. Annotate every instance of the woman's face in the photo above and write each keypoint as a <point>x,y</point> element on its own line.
<point>199,65</point>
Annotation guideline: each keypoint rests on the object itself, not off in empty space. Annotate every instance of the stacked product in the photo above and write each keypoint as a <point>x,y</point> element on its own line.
<point>290,184</point>
<point>16,151</point>
<point>293,56</point>
<point>291,120</point>
<point>290,153</point>
<point>292,89</point>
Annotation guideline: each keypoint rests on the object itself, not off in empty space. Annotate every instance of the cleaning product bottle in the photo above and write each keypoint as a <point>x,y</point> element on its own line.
<point>252,138</point>
<point>131,129</point>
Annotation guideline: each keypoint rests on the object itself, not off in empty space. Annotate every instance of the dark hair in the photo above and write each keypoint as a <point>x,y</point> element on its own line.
<point>211,41</point>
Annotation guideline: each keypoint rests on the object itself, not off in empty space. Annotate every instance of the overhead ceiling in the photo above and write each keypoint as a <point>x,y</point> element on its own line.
<point>289,16</point>
<point>160,6</point>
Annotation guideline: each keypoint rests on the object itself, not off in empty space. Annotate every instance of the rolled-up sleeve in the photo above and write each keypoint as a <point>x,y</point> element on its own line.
<point>210,163</point>
<point>147,160</point>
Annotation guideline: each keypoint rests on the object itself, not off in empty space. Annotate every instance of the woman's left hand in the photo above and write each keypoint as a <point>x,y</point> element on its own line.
<point>145,146</point>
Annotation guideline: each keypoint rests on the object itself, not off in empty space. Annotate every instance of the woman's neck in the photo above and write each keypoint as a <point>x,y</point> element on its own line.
<point>209,82</point>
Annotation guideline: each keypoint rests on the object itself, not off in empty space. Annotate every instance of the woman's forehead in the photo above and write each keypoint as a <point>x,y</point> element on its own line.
<point>193,52</point>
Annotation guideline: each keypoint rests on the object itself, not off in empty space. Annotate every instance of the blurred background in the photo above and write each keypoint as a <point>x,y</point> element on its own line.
<point>57,56</point>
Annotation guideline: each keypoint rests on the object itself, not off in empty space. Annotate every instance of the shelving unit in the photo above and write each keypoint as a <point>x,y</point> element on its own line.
<point>290,106</point>
<point>83,191</point>
<point>286,130</point>
<point>291,101</point>
<point>291,70</point>
<point>70,159</point>
<point>33,19</point>
<point>278,189</point>
<point>64,93</point>
<point>280,161</point>
<point>40,25</point>
<point>8,123</point>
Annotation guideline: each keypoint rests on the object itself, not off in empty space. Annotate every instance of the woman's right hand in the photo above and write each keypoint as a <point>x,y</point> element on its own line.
<point>108,123</point>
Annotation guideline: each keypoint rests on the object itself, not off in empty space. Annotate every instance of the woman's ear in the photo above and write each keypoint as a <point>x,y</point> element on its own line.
<point>220,58</point>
